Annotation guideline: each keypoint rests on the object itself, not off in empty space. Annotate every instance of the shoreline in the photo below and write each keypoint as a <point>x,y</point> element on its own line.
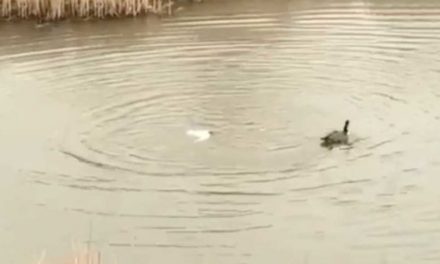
<point>44,11</point>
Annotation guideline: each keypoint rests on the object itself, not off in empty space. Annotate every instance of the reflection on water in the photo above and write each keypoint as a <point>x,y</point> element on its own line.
<point>95,120</point>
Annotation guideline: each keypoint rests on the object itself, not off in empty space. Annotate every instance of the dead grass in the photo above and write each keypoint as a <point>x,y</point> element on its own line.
<point>84,256</point>
<point>53,10</point>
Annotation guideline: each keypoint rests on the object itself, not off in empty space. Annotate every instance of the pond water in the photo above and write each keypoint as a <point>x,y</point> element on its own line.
<point>99,118</point>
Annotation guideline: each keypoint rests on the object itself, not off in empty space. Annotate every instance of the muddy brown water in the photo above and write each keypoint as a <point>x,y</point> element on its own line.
<point>94,145</point>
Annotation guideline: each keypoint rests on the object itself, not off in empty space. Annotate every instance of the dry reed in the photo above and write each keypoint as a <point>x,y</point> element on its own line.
<point>84,256</point>
<point>52,10</point>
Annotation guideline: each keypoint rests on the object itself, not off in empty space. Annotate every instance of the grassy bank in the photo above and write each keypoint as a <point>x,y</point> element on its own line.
<point>53,10</point>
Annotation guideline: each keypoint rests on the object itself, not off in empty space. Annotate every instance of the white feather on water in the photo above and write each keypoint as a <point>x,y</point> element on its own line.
<point>199,134</point>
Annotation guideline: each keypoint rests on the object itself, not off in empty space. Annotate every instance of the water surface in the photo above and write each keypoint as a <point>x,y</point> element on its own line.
<point>94,143</point>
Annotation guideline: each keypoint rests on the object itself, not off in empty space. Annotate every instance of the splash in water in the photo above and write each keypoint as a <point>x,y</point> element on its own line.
<point>199,134</point>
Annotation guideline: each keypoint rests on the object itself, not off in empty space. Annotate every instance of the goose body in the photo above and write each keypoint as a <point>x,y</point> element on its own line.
<point>337,137</point>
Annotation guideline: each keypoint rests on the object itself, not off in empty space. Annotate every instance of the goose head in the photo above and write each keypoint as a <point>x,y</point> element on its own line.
<point>347,122</point>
